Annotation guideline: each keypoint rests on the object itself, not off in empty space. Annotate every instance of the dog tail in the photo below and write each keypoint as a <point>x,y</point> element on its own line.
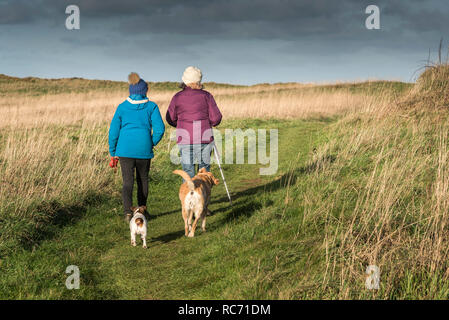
<point>187,178</point>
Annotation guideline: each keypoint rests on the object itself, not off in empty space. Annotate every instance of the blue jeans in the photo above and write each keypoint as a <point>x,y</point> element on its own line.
<point>192,154</point>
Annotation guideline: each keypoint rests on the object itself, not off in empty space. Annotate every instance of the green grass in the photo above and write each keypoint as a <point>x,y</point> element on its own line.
<point>251,251</point>
<point>284,238</point>
<point>39,86</point>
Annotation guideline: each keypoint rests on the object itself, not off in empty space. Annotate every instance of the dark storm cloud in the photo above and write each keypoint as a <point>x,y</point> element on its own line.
<point>20,11</point>
<point>230,19</point>
<point>240,19</point>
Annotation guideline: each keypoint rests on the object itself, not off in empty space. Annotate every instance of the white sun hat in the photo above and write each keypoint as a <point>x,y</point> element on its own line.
<point>192,75</point>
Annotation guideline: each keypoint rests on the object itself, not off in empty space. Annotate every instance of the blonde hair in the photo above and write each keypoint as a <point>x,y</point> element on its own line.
<point>195,85</point>
<point>133,78</point>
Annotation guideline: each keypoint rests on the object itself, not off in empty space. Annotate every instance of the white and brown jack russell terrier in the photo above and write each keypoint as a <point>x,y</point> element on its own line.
<point>138,225</point>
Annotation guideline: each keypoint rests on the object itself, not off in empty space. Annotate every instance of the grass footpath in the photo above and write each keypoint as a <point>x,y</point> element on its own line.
<point>257,250</point>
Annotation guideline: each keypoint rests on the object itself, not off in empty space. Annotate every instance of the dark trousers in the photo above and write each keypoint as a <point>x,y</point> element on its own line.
<point>142,168</point>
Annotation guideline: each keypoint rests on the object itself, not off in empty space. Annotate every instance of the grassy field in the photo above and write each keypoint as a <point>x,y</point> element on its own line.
<point>363,179</point>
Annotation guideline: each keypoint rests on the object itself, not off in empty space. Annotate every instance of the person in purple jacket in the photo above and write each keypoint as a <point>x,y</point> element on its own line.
<point>193,112</point>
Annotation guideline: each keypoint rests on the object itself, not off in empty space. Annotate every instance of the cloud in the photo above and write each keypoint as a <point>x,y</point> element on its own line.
<point>239,19</point>
<point>280,34</point>
<point>19,12</point>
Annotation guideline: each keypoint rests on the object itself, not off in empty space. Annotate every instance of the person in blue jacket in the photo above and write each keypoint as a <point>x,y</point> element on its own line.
<point>135,129</point>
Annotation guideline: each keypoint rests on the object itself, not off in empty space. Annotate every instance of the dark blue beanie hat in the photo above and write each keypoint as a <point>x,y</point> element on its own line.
<point>140,87</point>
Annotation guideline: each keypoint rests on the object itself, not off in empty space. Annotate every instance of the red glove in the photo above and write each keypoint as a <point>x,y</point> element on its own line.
<point>113,163</point>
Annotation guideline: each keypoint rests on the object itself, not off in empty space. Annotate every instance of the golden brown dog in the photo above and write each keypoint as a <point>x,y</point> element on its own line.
<point>194,194</point>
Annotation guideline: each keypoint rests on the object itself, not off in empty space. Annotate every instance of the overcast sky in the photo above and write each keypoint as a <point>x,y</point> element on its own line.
<point>234,41</point>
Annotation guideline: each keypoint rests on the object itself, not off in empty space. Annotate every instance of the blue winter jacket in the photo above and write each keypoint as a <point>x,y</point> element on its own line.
<point>136,128</point>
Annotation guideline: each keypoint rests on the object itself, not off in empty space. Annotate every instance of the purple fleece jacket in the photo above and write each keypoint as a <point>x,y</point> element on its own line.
<point>192,112</point>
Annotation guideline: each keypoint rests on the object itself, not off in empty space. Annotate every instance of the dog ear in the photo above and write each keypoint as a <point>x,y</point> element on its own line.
<point>216,181</point>
<point>143,208</point>
<point>202,170</point>
<point>133,209</point>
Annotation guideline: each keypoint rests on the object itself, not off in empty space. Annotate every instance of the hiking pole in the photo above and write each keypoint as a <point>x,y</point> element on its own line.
<point>217,157</point>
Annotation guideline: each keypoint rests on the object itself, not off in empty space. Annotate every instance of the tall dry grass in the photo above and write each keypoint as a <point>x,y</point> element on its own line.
<point>52,143</point>
<point>248,102</point>
<point>386,174</point>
